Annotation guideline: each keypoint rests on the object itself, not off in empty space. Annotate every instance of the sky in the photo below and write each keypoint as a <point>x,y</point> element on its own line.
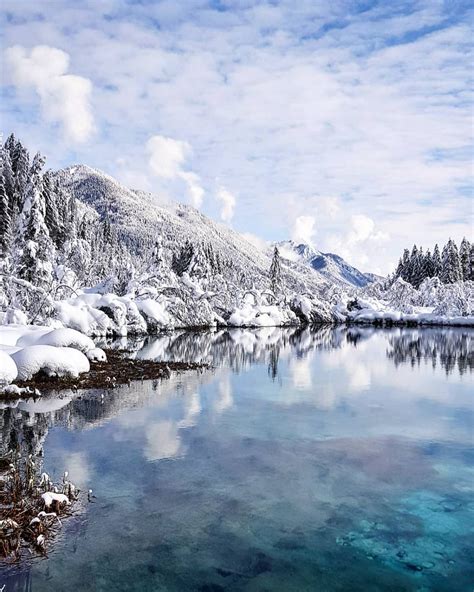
<point>344,124</point>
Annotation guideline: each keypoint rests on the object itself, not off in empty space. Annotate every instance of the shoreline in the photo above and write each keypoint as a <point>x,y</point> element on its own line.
<point>118,370</point>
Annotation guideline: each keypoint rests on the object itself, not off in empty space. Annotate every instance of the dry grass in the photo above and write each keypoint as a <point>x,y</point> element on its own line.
<point>27,525</point>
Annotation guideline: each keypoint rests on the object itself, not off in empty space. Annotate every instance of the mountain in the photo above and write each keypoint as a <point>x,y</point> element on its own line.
<point>329,266</point>
<point>141,221</point>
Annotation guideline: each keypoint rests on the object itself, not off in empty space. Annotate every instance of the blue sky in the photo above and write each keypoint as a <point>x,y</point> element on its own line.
<point>347,124</point>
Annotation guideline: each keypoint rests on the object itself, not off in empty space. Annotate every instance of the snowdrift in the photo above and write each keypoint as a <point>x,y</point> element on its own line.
<point>27,350</point>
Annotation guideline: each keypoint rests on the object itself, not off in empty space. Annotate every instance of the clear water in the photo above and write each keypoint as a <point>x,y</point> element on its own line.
<point>303,461</point>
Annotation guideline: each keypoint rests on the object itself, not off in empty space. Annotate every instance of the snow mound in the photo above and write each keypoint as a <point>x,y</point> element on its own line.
<point>50,497</point>
<point>96,355</point>
<point>67,338</point>
<point>54,361</point>
<point>249,315</point>
<point>8,369</point>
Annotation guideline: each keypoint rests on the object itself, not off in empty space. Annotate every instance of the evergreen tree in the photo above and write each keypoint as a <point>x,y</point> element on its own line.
<point>427,266</point>
<point>465,258</point>
<point>471,264</point>
<point>10,145</point>
<point>451,271</point>
<point>417,268</point>
<point>181,262</point>
<point>21,169</point>
<point>436,264</point>
<point>399,270</point>
<point>5,220</point>
<point>405,265</point>
<point>51,210</point>
<point>412,270</point>
<point>35,252</point>
<point>275,272</point>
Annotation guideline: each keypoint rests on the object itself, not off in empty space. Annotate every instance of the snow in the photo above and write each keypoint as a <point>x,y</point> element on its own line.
<point>67,338</point>
<point>54,361</point>
<point>261,316</point>
<point>49,497</point>
<point>96,355</point>
<point>8,369</point>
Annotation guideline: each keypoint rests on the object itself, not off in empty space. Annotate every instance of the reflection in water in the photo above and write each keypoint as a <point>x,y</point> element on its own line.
<point>328,458</point>
<point>451,348</point>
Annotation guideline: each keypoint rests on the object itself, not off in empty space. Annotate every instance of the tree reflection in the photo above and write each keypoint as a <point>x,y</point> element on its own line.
<point>450,348</point>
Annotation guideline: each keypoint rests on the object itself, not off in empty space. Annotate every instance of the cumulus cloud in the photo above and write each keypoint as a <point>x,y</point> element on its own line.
<point>304,229</point>
<point>362,228</point>
<point>274,110</point>
<point>228,202</point>
<point>255,240</point>
<point>167,158</point>
<point>64,98</point>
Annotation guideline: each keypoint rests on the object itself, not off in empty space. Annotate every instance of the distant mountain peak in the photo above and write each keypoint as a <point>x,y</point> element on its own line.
<point>331,266</point>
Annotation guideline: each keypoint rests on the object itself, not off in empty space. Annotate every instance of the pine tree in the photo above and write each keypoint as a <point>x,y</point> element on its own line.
<point>471,264</point>
<point>399,270</point>
<point>5,220</point>
<point>405,265</point>
<point>35,252</point>
<point>21,169</point>
<point>451,271</point>
<point>51,210</point>
<point>417,268</point>
<point>436,262</point>
<point>181,262</point>
<point>465,258</point>
<point>275,271</point>
<point>10,145</point>
<point>411,272</point>
<point>427,266</point>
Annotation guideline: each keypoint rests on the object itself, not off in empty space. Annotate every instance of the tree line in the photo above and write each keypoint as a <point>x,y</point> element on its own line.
<point>450,265</point>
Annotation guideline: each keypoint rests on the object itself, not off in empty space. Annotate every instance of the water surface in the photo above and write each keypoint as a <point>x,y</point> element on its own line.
<point>337,459</point>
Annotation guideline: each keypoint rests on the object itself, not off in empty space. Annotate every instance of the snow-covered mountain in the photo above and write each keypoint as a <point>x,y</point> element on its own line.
<point>142,221</point>
<point>328,265</point>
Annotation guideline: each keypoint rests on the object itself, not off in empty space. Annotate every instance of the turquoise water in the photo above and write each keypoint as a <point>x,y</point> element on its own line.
<point>303,461</point>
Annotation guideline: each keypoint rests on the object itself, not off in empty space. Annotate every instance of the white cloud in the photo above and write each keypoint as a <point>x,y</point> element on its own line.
<point>167,158</point>
<point>255,240</point>
<point>362,228</point>
<point>64,98</point>
<point>303,229</point>
<point>228,202</point>
<point>275,110</point>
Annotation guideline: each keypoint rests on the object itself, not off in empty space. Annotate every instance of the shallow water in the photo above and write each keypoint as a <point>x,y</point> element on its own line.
<point>304,461</point>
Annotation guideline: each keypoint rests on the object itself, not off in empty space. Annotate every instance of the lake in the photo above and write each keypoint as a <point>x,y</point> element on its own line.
<point>338,459</point>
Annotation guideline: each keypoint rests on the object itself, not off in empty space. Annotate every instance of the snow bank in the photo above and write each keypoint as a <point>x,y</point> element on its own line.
<point>8,369</point>
<point>96,355</point>
<point>50,497</point>
<point>249,315</point>
<point>66,338</point>
<point>54,361</point>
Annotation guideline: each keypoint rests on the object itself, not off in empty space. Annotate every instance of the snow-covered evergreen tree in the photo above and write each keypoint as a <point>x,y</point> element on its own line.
<point>275,272</point>
<point>5,219</point>
<point>436,262</point>
<point>465,258</point>
<point>451,270</point>
<point>35,249</point>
